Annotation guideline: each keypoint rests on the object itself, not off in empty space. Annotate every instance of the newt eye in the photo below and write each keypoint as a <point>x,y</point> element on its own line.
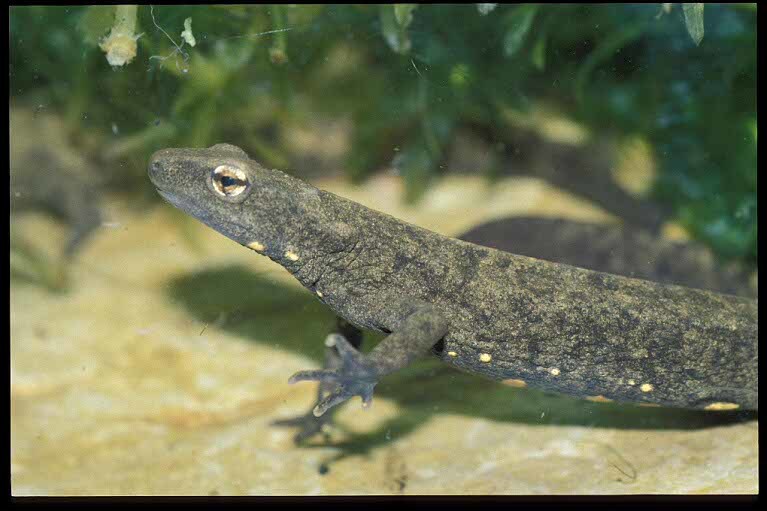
<point>229,181</point>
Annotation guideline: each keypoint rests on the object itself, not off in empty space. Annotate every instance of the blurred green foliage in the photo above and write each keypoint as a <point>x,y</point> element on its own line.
<point>409,76</point>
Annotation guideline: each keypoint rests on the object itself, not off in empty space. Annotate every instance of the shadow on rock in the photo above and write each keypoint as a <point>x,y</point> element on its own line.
<point>252,306</point>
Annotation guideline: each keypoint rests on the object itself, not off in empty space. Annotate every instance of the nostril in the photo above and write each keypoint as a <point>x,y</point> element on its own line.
<point>154,168</point>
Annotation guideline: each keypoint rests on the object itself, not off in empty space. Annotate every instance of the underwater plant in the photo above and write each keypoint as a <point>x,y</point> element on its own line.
<point>410,80</point>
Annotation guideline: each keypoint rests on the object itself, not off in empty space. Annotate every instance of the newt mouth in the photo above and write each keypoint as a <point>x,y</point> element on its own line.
<point>179,202</point>
<point>188,206</point>
<point>169,197</point>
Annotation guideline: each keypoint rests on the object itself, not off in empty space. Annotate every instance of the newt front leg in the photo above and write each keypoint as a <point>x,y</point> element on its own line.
<point>309,423</point>
<point>359,373</point>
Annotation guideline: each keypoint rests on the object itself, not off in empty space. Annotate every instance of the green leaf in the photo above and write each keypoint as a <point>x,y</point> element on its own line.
<point>520,21</point>
<point>403,13</point>
<point>393,31</point>
<point>96,22</point>
<point>485,9</point>
<point>538,55</point>
<point>460,76</point>
<point>693,19</point>
<point>604,51</point>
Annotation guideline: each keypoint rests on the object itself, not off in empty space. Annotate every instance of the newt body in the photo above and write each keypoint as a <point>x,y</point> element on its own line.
<point>489,312</point>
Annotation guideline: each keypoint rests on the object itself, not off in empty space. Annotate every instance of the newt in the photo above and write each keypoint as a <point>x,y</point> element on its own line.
<point>52,177</point>
<point>493,313</point>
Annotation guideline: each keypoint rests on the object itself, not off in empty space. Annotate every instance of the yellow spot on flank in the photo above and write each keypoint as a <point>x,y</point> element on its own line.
<point>452,354</point>
<point>599,399</point>
<point>646,387</point>
<point>718,407</point>
<point>520,384</point>
<point>554,372</point>
<point>650,405</point>
<point>319,293</point>
<point>255,245</point>
<point>291,256</point>
<point>632,382</point>
<point>485,357</point>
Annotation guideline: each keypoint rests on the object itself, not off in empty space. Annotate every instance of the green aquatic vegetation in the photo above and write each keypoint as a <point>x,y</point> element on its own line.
<point>693,19</point>
<point>520,21</point>
<point>395,20</point>
<point>410,78</point>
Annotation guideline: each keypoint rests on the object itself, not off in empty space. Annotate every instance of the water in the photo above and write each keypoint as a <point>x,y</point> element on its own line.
<point>150,355</point>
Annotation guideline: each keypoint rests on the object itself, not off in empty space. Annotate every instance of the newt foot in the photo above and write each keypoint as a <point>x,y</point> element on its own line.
<point>356,377</point>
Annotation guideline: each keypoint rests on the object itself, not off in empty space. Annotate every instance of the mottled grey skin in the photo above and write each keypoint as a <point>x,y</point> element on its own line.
<point>618,249</point>
<point>504,316</point>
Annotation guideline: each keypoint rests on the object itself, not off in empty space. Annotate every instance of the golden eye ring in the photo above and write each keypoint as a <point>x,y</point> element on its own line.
<point>229,181</point>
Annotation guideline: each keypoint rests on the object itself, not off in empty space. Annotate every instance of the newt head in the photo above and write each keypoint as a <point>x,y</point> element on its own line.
<point>265,210</point>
